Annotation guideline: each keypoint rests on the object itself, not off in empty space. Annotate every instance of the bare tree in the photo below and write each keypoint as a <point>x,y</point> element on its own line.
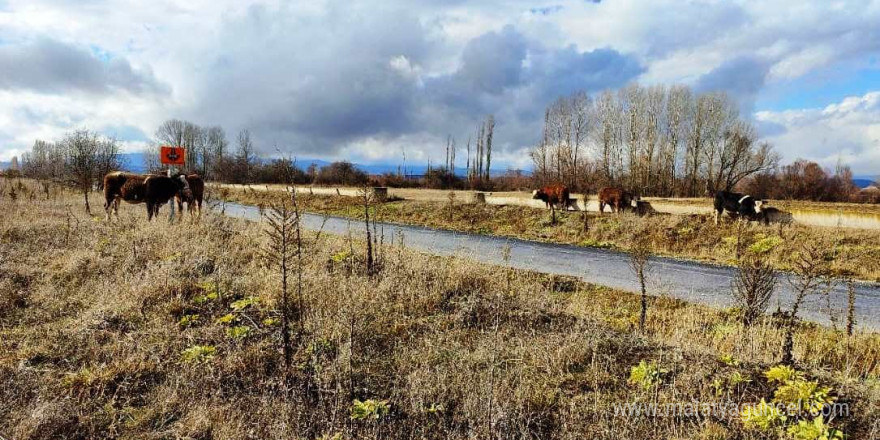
<point>581,105</point>
<point>107,159</point>
<point>81,149</point>
<point>810,276</point>
<point>490,131</point>
<point>607,134</point>
<point>639,262</point>
<point>171,132</point>
<point>753,287</point>
<point>677,111</point>
<point>246,156</point>
<point>285,242</point>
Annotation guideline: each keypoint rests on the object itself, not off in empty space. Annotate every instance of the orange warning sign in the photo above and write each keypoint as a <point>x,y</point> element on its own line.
<point>172,155</point>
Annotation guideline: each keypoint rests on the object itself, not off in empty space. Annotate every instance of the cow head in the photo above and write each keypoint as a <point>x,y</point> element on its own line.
<point>759,204</point>
<point>539,194</point>
<point>634,201</point>
<point>749,208</point>
<point>183,186</point>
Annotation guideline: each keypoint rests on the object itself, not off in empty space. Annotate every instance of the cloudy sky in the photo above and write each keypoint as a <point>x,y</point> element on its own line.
<point>365,81</point>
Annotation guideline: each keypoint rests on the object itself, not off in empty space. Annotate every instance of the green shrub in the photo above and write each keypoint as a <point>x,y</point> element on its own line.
<point>188,320</point>
<point>646,374</point>
<point>198,353</point>
<point>369,409</point>
<point>763,416</point>
<point>226,319</point>
<point>782,374</point>
<point>814,430</point>
<point>806,395</point>
<point>765,244</point>
<point>238,332</point>
<point>728,360</point>
<point>243,303</point>
<point>794,393</point>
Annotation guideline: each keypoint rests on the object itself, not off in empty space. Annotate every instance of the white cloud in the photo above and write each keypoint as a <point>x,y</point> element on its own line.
<point>848,130</point>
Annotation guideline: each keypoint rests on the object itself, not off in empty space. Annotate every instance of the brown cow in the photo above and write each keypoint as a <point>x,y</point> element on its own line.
<point>617,199</point>
<point>120,185</point>
<point>194,203</point>
<point>553,195</point>
<point>152,189</point>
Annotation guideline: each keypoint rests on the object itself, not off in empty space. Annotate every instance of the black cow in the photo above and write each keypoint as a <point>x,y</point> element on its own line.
<point>158,190</point>
<point>741,205</point>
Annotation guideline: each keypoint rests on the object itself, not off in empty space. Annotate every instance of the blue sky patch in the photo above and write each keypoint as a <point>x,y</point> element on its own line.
<point>819,89</point>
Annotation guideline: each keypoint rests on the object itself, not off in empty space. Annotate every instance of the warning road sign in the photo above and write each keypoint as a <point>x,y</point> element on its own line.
<point>172,155</point>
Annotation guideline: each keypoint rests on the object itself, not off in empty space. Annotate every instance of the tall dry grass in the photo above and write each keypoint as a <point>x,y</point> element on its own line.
<point>150,330</point>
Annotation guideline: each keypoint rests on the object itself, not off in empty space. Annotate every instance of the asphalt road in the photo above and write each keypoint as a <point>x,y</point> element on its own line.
<point>691,281</point>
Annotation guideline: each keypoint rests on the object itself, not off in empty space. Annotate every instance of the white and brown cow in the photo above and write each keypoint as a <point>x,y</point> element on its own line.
<point>152,189</point>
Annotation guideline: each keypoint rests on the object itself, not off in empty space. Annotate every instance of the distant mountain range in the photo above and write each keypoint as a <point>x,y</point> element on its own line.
<point>136,163</point>
<point>863,182</point>
<point>5,165</point>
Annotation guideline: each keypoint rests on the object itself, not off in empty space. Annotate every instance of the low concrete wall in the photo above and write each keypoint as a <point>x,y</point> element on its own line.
<point>834,219</point>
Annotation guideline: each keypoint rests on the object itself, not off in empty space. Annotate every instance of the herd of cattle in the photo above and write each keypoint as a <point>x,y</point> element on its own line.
<point>154,190</point>
<point>736,204</point>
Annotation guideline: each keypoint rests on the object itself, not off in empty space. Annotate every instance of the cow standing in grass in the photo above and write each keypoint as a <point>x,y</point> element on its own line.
<point>616,199</point>
<point>740,205</point>
<point>194,202</point>
<point>553,196</point>
<point>154,190</point>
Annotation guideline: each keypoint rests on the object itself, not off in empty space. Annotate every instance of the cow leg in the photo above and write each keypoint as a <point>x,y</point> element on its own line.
<point>717,214</point>
<point>149,211</point>
<point>601,207</point>
<point>180,206</point>
<point>108,203</point>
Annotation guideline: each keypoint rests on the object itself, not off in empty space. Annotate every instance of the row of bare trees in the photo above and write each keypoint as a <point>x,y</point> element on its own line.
<point>655,140</point>
<point>804,180</point>
<point>79,159</point>
<point>478,164</point>
<point>207,150</point>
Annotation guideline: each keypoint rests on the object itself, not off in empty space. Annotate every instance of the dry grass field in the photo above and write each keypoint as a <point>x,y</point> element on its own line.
<point>857,252</point>
<point>151,330</point>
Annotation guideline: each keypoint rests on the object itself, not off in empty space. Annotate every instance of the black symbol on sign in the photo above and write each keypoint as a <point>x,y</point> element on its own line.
<point>172,155</point>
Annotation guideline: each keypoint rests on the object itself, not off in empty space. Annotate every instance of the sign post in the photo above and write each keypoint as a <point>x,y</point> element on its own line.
<point>172,156</point>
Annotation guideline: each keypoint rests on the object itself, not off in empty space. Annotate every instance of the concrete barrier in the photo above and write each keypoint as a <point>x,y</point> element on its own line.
<point>380,193</point>
<point>476,197</point>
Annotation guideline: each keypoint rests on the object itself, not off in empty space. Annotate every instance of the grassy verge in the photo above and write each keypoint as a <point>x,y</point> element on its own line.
<point>150,330</point>
<point>693,237</point>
